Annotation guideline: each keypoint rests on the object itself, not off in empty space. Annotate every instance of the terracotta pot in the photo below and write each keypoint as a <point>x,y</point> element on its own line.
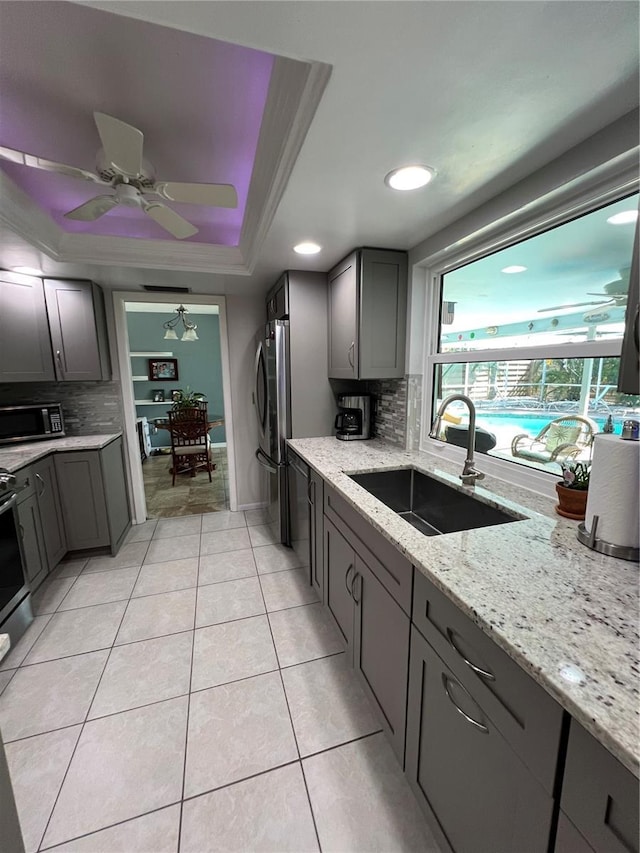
<point>572,503</point>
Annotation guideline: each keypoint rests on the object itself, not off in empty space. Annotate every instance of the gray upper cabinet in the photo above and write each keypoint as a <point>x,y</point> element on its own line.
<point>53,534</point>
<point>78,331</point>
<point>25,347</point>
<point>278,299</point>
<point>368,315</point>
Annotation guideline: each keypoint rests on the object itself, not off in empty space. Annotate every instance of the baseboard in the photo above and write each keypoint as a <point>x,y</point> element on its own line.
<point>259,505</point>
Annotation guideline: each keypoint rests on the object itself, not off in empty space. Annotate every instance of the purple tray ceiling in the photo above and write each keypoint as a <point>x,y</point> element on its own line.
<point>198,101</point>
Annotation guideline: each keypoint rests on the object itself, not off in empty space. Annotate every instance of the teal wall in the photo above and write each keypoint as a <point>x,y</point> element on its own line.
<point>199,365</point>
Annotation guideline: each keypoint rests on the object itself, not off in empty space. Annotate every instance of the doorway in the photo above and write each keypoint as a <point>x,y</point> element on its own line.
<point>159,365</point>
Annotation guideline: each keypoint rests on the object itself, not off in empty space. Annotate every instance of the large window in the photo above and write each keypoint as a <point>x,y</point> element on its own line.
<point>532,334</point>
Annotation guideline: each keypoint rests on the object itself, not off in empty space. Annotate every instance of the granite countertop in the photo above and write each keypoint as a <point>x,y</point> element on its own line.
<point>5,645</point>
<point>16,456</point>
<point>568,615</point>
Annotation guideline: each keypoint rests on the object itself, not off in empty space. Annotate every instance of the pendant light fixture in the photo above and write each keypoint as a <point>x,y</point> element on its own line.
<point>189,329</point>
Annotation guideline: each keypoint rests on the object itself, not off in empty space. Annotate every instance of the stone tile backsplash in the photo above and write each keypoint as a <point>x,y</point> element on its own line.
<point>88,408</point>
<point>390,418</point>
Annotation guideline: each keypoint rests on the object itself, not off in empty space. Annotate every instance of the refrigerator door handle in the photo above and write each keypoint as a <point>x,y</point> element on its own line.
<point>264,460</point>
<point>260,395</point>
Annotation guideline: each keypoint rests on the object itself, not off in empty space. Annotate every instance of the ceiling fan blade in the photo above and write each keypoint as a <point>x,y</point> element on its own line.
<point>48,165</point>
<point>122,144</point>
<point>170,220</point>
<point>212,195</point>
<point>573,305</point>
<point>93,209</point>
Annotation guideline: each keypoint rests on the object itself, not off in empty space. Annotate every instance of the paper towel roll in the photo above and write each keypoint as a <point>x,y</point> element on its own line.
<point>614,490</point>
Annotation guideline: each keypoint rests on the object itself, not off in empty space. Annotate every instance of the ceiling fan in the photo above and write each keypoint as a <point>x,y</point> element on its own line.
<point>616,295</point>
<point>122,168</point>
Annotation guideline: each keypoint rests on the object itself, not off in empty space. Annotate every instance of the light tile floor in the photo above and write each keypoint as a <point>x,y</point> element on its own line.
<point>191,695</point>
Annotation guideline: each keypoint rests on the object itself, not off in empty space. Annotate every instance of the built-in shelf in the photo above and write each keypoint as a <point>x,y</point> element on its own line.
<point>140,379</point>
<point>152,402</point>
<point>151,354</point>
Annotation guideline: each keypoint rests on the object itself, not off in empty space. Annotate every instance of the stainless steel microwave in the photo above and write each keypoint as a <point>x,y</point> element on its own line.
<point>30,423</point>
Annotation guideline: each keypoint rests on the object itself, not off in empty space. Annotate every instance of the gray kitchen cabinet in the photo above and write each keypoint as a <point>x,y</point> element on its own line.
<point>599,798</point>
<point>568,839</point>
<point>93,497</point>
<point>339,567</point>
<point>33,547</point>
<point>53,533</point>
<point>316,497</point>
<point>78,330</point>
<point>278,299</point>
<point>368,315</point>
<point>25,346</point>
<point>477,792</point>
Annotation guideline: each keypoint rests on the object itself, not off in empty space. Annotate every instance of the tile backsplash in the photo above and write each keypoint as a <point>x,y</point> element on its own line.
<point>88,408</point>
<point>390,418</point>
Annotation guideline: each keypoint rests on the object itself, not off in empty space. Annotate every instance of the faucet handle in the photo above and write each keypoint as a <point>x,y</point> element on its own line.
<point>470,477</point>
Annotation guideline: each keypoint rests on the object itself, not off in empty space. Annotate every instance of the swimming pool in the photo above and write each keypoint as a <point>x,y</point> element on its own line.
<point>530,422</point>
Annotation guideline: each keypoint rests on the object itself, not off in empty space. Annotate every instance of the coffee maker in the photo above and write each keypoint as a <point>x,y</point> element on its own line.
<point>354,418</point>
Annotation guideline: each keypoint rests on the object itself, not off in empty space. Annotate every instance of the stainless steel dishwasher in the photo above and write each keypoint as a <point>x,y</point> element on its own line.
<point>298,495</point>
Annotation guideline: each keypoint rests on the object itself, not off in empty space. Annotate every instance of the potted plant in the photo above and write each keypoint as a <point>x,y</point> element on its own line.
<point>186,399</point>
<point>572,489</point>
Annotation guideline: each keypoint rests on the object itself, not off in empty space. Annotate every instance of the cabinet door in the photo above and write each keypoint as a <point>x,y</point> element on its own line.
<point>35,556</point>
<point>115,493</point>
<point>25,347</point>
<point>55,543</point>
<point>383,314</point>
<point>339,567</point>
<point>343,320</point>
<point>316,488</point>
<point>381,652</point>
<point>464,773</point>
<point>277,301</point>
<point>82,499</point>
<point>568,839</point>
<point>75,317</point>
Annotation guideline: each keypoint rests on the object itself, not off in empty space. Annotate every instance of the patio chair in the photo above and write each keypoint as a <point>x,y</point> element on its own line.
<point>189,430</point>
<point>568,436</point>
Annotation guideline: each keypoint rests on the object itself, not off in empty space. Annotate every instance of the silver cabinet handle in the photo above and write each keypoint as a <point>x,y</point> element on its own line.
<point>44,485</point>
<point>346,580</point>
<point>59,360</point>
<point>480,726</point>
<point>311,500</point>
<point>478,670</point>
<point>350,352</point>
<point>356,577</point>
<point>264,460</point>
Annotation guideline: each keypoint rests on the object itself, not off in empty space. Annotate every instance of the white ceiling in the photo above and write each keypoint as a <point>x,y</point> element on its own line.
<point>485,92</point>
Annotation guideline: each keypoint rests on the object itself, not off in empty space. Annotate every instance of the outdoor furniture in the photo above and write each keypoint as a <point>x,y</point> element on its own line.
<point>189,429</point>
<point>459,434</point>
<point>568,436</point>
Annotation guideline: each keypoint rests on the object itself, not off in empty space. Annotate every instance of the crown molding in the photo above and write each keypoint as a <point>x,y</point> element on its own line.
<point>294,93</point>
<point>22,215</point>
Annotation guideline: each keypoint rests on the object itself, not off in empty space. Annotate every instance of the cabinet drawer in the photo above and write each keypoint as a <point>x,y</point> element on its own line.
<point>25,484</point>
<point>392,569</point>
<point>526,715</point>
<point>599,795</point>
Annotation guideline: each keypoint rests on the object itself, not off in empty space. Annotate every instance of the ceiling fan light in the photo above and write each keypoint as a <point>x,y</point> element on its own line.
<point>409,177</point>
<point>170,335</point>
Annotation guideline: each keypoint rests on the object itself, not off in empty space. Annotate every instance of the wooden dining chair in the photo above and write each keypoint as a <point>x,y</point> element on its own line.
<point>189,441</point>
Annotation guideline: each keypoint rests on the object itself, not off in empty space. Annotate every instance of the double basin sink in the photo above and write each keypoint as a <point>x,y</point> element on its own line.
<point>430,505</point>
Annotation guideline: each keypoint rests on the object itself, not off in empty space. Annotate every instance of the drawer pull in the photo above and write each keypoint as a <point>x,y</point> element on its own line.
<point>478,670</point>
<point>480,726</point>
<point>346,580</point>
<point>350,352</point>
<point>353,587</point>
<point>44,488</point>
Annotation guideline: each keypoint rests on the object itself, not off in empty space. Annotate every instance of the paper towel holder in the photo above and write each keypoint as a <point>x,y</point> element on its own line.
<point>623,552</point>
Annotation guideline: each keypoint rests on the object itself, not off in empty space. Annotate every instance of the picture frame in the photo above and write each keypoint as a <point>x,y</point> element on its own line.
<point>175,395</point>
<point>158,396</point>
<point>163,369</point>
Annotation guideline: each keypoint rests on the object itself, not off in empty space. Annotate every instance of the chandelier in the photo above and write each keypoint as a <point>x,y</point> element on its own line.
<point>189,329</point>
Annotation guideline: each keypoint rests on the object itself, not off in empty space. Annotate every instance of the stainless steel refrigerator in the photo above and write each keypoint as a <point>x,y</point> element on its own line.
<point>292,394</point>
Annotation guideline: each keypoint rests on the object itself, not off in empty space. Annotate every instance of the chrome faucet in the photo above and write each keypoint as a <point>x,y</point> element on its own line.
<point>469,474</point>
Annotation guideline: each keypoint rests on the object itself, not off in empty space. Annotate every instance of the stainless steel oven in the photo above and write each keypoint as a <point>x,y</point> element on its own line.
<point>29,423</point>
<point>15,597</point>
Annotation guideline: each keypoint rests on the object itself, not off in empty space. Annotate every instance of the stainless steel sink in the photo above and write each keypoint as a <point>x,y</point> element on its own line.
<point>430,505</point>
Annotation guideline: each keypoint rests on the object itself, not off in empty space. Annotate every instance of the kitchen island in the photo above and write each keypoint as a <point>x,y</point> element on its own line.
<point>567,615</point>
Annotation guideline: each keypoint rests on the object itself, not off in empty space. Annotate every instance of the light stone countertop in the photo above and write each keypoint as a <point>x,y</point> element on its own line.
<point>16,456</point>
<point>5,645</point>
<point>551,603</point>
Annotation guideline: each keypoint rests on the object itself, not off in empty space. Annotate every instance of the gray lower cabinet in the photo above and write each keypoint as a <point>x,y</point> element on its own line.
<point>53,533</point>
<point>25,347</point>
<point>599,800</point>
<point>474,788</point>
<point>33,547</point>
<point>339,566</point>
<point>93,497</point>
<point>367,315</point>
<point>316,497</point>
<point>78,330</point>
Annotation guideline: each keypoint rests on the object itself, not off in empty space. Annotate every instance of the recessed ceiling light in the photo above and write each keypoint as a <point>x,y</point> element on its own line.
<point>514,268</point>
<point>307,248</point>
<point>28,270</point>
<point>625,217</point>
<point>409,177</point>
